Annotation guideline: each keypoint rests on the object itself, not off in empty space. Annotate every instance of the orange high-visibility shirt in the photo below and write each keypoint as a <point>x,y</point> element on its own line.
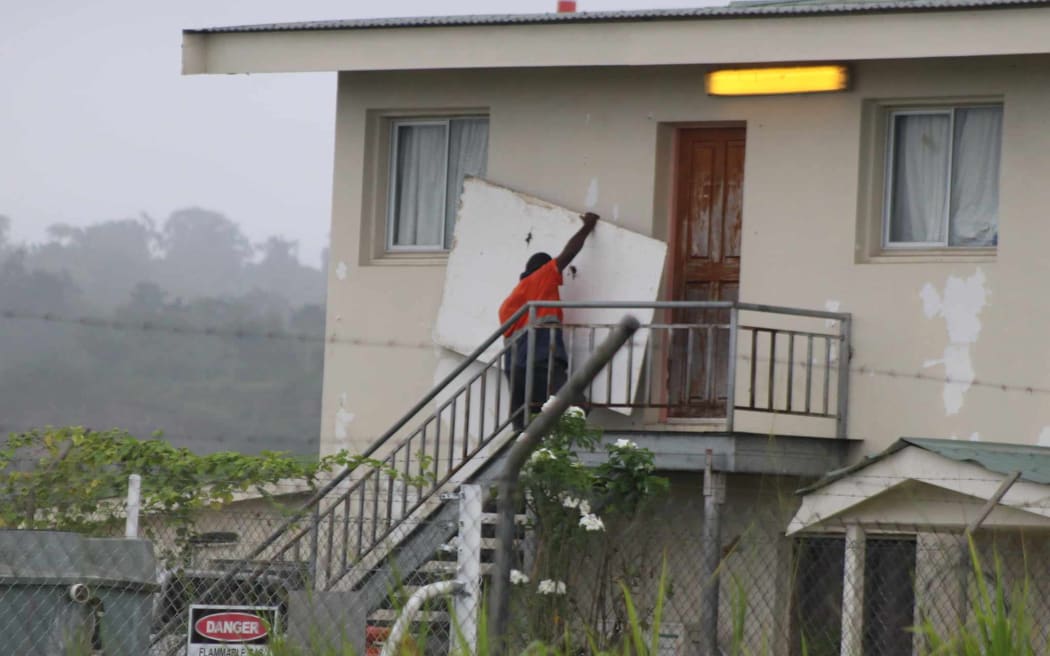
<point>541,285</point>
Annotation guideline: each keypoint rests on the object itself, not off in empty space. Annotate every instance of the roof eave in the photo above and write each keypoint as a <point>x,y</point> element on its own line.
<point>729,40</point>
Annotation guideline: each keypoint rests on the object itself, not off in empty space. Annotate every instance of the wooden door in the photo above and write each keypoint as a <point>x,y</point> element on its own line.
<point>709,183</point>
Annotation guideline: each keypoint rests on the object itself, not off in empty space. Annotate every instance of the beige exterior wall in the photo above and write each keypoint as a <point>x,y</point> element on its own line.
<point>555,132</point>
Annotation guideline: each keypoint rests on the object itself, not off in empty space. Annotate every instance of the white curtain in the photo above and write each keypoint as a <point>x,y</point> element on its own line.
<point>920,177</point>
<point>975,177</point>
<point>467,155</point>
<point>419,210</point>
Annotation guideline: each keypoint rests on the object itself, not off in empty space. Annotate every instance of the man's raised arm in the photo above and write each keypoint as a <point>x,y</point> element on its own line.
<point>575,243</point>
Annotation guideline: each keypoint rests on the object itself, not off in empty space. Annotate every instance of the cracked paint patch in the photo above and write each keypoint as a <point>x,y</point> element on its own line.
<point>340,270</point>
<point>343,417</point>
<point>960,305</point>
<point>592,194</point>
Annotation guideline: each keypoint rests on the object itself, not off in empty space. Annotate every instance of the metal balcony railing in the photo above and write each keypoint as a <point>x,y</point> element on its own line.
<point>732,358</point>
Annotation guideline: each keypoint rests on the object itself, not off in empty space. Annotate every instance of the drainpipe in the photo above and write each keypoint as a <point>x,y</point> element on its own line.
<point>508,487</point>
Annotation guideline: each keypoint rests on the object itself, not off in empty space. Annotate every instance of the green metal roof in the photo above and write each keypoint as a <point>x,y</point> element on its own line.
<point>1032,461</point>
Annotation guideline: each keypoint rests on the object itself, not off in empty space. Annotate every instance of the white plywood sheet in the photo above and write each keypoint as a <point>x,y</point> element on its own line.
<point>496,232</point>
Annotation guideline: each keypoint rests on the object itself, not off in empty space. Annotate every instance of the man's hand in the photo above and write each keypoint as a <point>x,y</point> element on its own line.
<point>575,243</point>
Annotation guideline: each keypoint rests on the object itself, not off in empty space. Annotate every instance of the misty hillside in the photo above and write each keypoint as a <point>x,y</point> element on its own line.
<point>107,326</point>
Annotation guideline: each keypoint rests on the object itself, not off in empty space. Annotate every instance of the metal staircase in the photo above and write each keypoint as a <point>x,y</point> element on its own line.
<point>369,524</point>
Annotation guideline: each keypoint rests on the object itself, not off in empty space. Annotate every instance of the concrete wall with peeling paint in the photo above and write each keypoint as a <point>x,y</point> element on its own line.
<point>601,138</point>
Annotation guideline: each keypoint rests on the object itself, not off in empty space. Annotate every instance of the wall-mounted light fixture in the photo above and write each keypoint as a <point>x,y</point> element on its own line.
<point>780,80</point>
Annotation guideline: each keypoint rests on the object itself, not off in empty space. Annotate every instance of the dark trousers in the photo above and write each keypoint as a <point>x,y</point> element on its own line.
<point>559,375</point>
<point>516,376</point>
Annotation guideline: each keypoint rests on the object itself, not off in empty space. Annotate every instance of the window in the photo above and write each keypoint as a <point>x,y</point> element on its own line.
<point>429,160</point>
<point>942,178</point>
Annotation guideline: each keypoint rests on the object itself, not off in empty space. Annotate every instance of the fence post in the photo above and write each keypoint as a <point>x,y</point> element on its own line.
<point>853,592</point>
<point>714,495</point>
<point>134,503</point>
<point>468,572</point>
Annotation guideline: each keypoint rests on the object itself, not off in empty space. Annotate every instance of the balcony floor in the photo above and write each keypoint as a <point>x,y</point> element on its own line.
<point>736,453</point>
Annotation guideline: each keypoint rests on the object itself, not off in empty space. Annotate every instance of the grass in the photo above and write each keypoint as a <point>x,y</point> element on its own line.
<point>1001,624</point>
<point>642,638</point>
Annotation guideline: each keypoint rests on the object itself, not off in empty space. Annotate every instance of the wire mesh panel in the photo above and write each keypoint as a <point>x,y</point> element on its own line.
<point>892,590</point>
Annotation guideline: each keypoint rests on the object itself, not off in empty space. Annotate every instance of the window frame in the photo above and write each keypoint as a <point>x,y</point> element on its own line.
<point>889,148</point>
<point>392,180</point>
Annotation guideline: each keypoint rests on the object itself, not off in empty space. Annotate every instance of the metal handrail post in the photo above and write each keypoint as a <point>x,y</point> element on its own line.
<point>315,529</point>
<point>734,321</point>
<point>845,352</point>
<point>516,459</point>
<point>530,361</point>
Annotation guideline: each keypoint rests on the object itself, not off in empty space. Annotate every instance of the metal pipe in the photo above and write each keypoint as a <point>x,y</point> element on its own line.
<point>686,305</point>
<point>392,645</point>
<point>992,502</point>
<point>516,459</point>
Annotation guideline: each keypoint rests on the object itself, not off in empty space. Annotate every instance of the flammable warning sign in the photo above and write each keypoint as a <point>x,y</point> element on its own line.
<point>231,630</point>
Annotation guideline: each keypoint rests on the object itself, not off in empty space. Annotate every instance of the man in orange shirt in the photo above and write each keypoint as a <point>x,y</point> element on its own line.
<point>539,282</point>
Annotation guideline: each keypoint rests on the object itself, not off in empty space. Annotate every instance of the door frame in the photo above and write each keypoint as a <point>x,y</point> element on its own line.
<point>671,268</point>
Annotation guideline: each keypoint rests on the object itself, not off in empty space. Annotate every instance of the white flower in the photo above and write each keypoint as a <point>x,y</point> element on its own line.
<point>518,578</point>
<point>549,587</point>
<point>592,522</point>
<point>569,502</point>
<point>548,404</point>
<point>585,507</point>
<point>624,443</point>
<point>575,412</point>
<point>541,454</point>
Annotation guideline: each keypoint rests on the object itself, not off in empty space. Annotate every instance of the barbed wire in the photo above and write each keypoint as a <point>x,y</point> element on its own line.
<point>210,331</point>
<point>241,333</point>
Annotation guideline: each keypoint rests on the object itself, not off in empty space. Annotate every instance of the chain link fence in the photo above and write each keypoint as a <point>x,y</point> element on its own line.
<point>886,590</point>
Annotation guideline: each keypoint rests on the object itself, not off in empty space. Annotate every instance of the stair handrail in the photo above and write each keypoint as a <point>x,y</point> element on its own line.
<point>321,493</point>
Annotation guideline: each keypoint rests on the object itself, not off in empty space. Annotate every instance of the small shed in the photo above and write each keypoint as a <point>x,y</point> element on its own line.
<point>905,537</point>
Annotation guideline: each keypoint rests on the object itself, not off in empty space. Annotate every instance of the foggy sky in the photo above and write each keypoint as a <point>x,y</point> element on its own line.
<point>96,122</point>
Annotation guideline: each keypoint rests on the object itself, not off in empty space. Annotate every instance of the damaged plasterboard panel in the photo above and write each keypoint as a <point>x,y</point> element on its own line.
<point>498,229</point>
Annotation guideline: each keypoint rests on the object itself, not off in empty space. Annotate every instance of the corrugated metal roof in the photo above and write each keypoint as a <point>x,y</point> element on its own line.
<point>1032,461</point>
<point>757,9</point>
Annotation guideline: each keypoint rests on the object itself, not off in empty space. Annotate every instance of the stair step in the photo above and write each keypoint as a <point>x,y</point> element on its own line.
<point>493,518</point>
<point>447,567</point>
<point>391,615</point>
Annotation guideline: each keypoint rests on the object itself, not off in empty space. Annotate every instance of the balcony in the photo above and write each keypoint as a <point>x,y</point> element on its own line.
<point>700,375</point>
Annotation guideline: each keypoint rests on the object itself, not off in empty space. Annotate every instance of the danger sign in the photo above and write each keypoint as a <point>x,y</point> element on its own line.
<point>231,630</point>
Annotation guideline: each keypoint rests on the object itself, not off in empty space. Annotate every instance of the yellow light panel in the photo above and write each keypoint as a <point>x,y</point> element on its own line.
<point>772,81</point>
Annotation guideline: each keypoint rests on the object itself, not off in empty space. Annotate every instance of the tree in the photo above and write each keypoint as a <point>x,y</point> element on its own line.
<point>280,272</point>
<point>205,254</point>
<point>106,259</point>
